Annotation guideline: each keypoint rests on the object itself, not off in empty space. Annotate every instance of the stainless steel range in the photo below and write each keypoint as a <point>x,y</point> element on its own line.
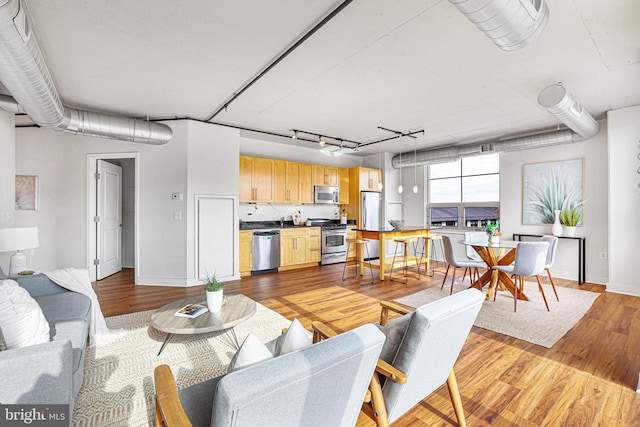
<point>334,241</point>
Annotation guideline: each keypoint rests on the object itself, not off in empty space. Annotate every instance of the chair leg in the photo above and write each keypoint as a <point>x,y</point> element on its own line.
<point>366,249</point>
<point>515,295</point>
<point>453,278</point>
<point>379,410</point>
<point>446,273</point>
<point>454,393</point>
<point>542,290</point>
<point>552,284</point>
<point>464,274</point>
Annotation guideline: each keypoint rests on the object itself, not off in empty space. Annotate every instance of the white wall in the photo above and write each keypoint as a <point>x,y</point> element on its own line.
<point>624,199</point>
<point>165,250</point>
<point>7,177</point>
<point>594,152</point>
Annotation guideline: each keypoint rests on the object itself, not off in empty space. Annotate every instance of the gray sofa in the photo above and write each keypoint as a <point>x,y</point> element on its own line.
<point>52,372</point>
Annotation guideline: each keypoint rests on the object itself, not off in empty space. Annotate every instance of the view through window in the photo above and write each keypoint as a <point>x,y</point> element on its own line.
<point>465,193</point>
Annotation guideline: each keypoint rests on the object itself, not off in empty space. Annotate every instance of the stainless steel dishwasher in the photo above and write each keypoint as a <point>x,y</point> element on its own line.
<point>266,251</point>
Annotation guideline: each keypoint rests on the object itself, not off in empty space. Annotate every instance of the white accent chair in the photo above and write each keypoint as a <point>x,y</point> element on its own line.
<point>479,237</point>
<point>419,353</point>
<point>323,384</point>
<point>529,261</point>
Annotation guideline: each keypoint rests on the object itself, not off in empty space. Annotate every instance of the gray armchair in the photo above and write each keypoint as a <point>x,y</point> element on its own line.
<point>321,385</point>
<point>419,353</point>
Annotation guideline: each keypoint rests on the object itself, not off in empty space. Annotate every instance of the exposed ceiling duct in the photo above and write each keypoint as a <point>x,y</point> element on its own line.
<point>510,24</point>
<point>556,100</point>
<point>24,73</point>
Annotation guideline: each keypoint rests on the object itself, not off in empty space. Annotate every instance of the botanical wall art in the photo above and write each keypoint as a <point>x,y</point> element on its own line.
<point>551,186</point>
<point>26,192</point>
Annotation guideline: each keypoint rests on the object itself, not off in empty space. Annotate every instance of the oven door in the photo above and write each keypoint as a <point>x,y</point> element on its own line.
<point>334,241</point>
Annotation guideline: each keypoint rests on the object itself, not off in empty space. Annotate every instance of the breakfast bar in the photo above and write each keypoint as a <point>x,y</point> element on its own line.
<point>385,235</point>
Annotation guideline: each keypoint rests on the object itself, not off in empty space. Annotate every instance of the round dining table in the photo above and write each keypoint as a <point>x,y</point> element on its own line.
<point>501,253</point>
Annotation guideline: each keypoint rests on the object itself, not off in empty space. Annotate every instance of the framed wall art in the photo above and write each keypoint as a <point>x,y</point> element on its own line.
<point>551,186</point>
<point>26,192</point>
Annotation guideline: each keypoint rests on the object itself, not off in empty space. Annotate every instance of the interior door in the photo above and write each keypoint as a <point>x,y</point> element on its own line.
<point>108,219</point>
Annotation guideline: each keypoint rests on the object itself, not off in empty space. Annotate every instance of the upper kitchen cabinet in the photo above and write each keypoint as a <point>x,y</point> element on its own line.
<point>325,175</point>
<point>256,179</point>
<point>286,180</point>
<point>369,179</point>
<point>306,183</point>
<point>343,174</point>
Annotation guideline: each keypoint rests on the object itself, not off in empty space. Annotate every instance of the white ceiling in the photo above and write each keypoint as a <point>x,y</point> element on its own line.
<point>402,64</point>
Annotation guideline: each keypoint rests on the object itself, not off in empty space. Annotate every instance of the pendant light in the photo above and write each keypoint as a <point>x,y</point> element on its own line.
<point>379,170</point>
<point>415,157</point>
<point>400,186</point>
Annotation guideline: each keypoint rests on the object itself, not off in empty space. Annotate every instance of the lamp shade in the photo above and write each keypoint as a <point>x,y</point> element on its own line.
<point>19,238</point>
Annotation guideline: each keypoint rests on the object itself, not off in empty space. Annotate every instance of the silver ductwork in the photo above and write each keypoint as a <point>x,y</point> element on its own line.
<point>510,24</point>
<point>451,154</point>
<point>556,100</point>
<point>24,73</point>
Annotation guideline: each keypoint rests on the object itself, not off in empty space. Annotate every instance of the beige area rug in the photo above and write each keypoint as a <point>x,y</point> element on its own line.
<point>532,322</point>
<point>118,377</point>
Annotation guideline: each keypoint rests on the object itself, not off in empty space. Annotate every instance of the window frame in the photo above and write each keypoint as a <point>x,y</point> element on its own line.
<point>461,206</point>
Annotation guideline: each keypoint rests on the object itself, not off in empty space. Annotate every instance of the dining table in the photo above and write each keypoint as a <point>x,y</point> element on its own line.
<point>389,234</point>
<point>501,253</point>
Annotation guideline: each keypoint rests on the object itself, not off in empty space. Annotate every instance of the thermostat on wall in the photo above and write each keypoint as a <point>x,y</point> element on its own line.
<point>176,196</point>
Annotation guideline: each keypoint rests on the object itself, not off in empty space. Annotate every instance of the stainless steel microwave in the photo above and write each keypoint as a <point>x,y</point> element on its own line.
<point>326,195</point>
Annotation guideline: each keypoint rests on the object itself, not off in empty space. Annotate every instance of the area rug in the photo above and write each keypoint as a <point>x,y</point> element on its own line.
<point>118,377</point>
<point>532,322</point>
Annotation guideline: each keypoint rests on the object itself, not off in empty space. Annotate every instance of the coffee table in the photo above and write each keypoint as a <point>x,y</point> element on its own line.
<point>235,310</point>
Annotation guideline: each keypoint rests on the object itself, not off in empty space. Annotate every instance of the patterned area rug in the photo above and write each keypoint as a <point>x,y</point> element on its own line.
<point>118,377</point>
<point>532,322</point>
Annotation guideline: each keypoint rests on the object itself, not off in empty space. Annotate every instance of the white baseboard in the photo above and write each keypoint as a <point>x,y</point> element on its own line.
<point>183,283</point>
<point>625,289</point>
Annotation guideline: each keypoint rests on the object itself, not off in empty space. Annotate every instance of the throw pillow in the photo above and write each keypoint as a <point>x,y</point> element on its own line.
<point>394,332</point>
<point>3,344</point>
<point>21,318</point>
<point>250,352</point>
<point>2,275</point>
<point>295,338</point>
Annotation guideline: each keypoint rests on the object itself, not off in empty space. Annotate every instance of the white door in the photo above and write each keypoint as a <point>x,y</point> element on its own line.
<point>109,219</point>
<point>216,237</point>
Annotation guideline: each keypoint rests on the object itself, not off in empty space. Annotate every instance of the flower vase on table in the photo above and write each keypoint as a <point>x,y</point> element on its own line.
<point>214,291</point>
<point>556,230</point>
<point>493,231</point>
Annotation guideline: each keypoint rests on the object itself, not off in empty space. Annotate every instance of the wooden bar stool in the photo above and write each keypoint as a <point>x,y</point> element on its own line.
<point>404,241</point>
<point>431,240</point>
<point>361,245</point>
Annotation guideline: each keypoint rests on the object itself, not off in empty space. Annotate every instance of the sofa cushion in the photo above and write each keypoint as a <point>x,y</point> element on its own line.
<point>65,306</point>
<point>73,330</point>
<point>394,332</point>
<point>2,275</point>
<point>22,321</point>
<point>250,352</point>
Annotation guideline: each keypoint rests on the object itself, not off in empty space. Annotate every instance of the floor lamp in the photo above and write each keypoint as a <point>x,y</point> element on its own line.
<point>18,239</point>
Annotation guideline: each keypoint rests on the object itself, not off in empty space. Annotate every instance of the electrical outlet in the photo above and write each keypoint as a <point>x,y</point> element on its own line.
<point>603,255</point>
<point>177,196</point>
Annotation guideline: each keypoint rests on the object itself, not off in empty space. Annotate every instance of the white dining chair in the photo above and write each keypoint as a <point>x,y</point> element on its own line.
<point>529,261</point>
<point>479,237</point>
<point>456,263</point>
<point>551,257</point>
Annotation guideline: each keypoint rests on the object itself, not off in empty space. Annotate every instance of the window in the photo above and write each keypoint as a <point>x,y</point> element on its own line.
<point>465,193</point>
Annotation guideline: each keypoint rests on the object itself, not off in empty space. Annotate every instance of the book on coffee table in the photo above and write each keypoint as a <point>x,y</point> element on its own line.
<point>191,311</point>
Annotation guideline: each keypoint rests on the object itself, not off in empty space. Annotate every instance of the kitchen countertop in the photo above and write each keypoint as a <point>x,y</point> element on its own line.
<point>258,225</point>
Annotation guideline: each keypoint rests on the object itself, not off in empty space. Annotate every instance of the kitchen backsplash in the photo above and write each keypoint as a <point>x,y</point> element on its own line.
<point>273,212</point>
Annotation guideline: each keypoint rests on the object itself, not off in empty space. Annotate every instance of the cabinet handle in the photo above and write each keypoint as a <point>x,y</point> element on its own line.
<point>295,243</point>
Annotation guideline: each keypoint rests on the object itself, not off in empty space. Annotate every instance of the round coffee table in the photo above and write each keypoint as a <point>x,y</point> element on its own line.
<point>235,310</point>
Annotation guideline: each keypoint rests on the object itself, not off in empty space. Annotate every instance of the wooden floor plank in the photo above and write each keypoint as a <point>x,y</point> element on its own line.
<point>588,378</point>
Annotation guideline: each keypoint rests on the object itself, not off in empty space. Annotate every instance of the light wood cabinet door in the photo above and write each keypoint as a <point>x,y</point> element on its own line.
<point>305,176</point>
<point>369,179</point>
<point>293,182</point>
<point>294,244</point>
<point>344,185</point>
<point>263,179</point>
<point>246,252</point>
<point>246,179</point>
<point>279,181</point>
<point>325,175</point>
<point>351,234</point>
<point>314,244</point>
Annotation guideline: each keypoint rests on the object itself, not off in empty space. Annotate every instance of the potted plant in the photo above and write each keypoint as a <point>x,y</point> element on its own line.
<point>493,230</point>
<point>570,218</point>
<point>214,291</point>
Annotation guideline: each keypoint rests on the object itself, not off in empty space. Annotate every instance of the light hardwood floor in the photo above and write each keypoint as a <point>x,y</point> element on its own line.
<point>588,378</point>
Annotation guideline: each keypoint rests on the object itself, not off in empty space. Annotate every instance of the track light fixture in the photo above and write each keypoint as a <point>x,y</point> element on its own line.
<point>321,141</point>
<point>294,135</point>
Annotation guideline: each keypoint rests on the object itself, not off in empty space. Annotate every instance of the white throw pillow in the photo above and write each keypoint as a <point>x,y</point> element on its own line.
<point>296,338</point>
<point>250,352</point>
<point>394,333</point>
<point>21,318</point>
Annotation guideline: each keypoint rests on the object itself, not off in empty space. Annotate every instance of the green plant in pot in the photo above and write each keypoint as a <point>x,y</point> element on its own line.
<point>214,290</point>
<point>493,231</point>
<point>570,218</point>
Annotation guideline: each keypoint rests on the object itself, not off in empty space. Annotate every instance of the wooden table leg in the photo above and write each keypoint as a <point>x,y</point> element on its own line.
<point>383,246</point>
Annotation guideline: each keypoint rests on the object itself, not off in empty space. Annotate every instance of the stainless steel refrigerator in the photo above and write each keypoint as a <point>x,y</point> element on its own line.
<point>371,213</point>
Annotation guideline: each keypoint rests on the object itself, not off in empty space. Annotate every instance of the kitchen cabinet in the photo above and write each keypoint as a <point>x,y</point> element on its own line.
<point>256,179</point>
<point>246,252</point>
<point>369,179</point>
<point>299,247</point>
<point>343,176</point>
<point>325,175</point>
<point>286,181</point>
<point>305,177</point>
<point>351,234</point>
